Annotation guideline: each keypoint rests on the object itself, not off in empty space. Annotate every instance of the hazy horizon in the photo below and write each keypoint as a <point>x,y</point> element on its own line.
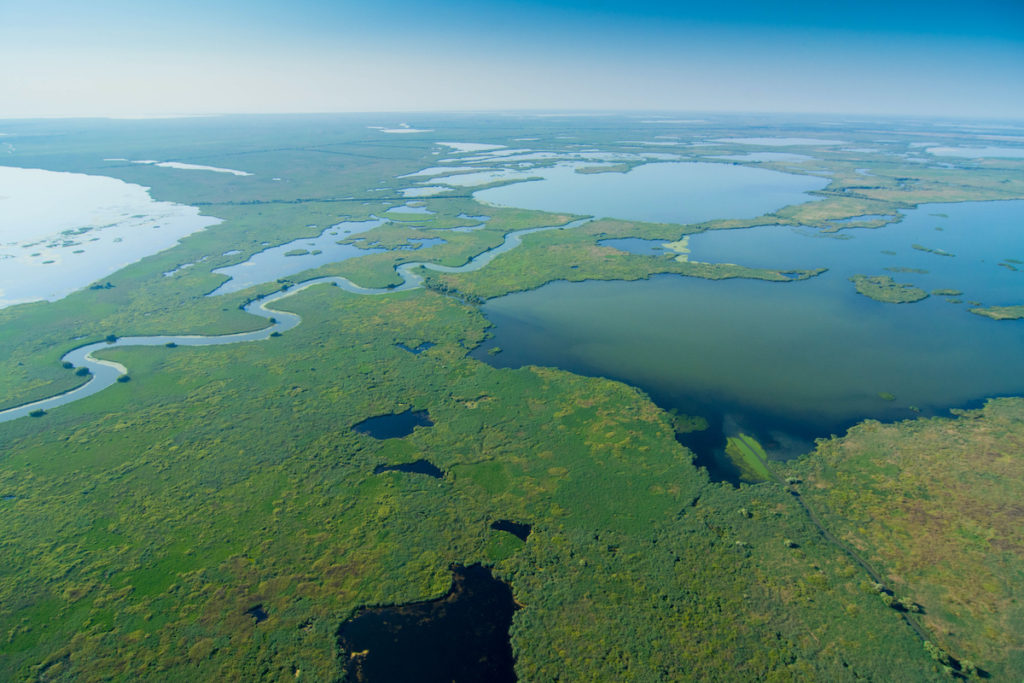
<point>121,59</point>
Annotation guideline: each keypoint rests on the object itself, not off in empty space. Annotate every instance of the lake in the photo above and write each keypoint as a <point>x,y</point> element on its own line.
<point>60,232</point>
<point>794,361</point>
<point>687,192</point>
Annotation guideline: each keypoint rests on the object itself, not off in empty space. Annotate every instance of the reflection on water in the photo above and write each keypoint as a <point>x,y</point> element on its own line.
<point>59,232</point>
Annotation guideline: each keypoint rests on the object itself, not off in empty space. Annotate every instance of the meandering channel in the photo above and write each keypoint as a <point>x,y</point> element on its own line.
<point>106,373</point>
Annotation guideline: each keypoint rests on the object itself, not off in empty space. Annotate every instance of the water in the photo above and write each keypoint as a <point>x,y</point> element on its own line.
<point>790,362</point>
<point>394,426</point>
<point>636,245</point>
<point>517,529</point>
<point>417,467</point>
<point>106,373</point>
<point>981,235</point>
<point>271,264</point>
<point>779,142</point>
<point>974,152</point>
<point>460,637</point>
<point>407,209</point>
<point>659,192</point>
<point>423,346</point>
<point>59,232</point>
<point>763,156</point>
<point>481,178</point>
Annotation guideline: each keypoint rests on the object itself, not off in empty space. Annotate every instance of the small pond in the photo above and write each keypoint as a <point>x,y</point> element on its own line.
<point>463,636</point>
<point>417,467</point>
<point>517,529</point>
<point>394,426</point>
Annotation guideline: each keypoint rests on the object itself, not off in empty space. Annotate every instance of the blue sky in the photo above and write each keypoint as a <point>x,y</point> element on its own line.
<point>113,57</point>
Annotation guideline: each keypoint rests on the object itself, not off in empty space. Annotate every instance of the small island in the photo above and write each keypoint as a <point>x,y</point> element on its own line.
<point>1001,312</point>
<point>883,288</point>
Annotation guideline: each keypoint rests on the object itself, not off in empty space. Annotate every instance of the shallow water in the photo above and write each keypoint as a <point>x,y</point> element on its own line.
<point>791,362</point>
<point>271,264</point>
<point>106,373</point>
<point>637,245</point>
<point>974,152</point>
<point>780,142</point>
<point>60,232</point>
<point>763,156</point>
<point>980,235</point>
<point>659,192</point>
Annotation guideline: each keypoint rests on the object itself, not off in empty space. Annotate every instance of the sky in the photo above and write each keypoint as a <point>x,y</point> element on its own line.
<point>121,58</point>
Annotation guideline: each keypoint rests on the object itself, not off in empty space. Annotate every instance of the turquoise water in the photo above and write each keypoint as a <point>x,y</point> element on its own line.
<point>793,361</point>
<point>659,192</point>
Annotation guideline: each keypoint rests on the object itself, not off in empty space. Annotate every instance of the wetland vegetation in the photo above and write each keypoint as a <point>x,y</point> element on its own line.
<point>220,517</point>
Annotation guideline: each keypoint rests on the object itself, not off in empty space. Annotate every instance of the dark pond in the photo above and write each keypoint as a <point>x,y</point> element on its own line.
<point>418,349</point>
<point>460,637</point>
<point>417,467</point>
<point>520,531</point>
<point>258,613</point>
<point>708,447</point>
<point>394,425</point>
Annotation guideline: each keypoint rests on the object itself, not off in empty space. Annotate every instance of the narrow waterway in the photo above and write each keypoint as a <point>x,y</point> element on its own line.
<point>105,373</point>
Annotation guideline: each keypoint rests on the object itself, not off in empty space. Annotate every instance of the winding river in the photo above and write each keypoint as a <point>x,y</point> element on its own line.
<point>106,373</point>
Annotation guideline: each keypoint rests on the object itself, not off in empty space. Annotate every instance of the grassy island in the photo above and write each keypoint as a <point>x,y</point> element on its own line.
<point>1001,312</point>
<point>883,288</point>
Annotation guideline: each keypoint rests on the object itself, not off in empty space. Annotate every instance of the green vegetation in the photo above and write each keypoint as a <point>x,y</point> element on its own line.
<point>607,168</point>
<point>946,292</point>
<point>883,288</point>
<point>901,269</point>
<point>155,583</point>
<point>930,250</point>
<point>1001,312</point>
<point>574,255</point>
<point>945,530</point>
<point>685,424</point>
<point>749,457</point>
<point>141,525</point>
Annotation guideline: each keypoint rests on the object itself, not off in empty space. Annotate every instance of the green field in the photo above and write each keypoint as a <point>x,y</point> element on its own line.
<point>749,457</point>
